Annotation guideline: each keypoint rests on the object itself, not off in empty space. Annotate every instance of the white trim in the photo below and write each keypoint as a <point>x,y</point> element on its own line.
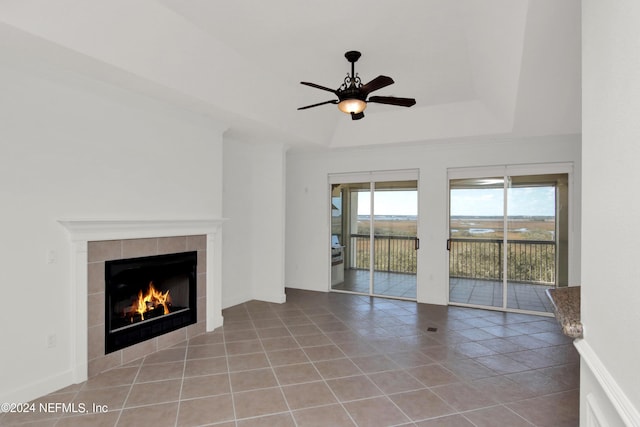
<point>506,183</point>
<point>594,416</point>
<point>539,169</point>
<point>79,311</point>
<point>478,172</point>
<point>82,231</point>
<point>116,229</point>
<point>214,279</point>
<point>377,176</point>
<point>28,392</point>
<point>236,300</point>
<point>509,170</point>
<point>619,400</point>
<point>372,234</point>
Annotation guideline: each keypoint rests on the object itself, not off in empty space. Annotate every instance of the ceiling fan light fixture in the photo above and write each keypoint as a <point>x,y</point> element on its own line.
<point>352,105</point>
<point>353,96</point>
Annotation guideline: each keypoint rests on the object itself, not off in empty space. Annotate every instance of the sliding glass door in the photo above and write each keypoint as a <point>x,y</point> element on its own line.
<point>374,238</point>
<point>395,223</point>
<point>350,237</point>
<point>508,240</point>
<point>476,239</point>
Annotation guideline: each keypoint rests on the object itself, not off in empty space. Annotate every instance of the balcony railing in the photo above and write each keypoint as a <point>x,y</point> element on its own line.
<point>530,261</point>
<point>395,254</point>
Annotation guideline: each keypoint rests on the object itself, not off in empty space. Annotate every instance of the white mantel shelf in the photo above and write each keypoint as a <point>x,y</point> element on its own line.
<point>82,231</point>
<point>108,229</point>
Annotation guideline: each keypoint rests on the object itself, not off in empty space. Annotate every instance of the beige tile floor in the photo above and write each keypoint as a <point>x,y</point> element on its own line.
<point>342,360</point>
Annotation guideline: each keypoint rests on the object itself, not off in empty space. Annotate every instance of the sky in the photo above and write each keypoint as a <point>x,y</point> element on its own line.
<point>389,203</point>
<point>526,201</point>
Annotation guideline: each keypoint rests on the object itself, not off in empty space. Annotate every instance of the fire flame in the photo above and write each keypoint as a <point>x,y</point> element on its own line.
<point>150,301</point>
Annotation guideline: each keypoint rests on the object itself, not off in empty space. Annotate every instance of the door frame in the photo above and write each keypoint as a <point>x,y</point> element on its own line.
<point>519,170</point>
<point>372,177</point>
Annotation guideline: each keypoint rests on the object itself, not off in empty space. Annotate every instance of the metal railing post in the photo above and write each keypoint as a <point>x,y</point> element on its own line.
<point>388,254</point>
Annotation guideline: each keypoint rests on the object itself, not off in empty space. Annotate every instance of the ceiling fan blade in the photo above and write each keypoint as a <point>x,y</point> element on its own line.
<point>375,84</point>
<point>333,101</point>
<point>357,116</point>
<point>392,100</point>
<point>318,87</point>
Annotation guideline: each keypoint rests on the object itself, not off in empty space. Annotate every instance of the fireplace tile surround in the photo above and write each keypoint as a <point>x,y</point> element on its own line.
<point>109,250</point>
<point>94,241</point>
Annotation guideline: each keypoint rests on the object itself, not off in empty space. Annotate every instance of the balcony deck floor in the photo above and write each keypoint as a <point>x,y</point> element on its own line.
<point>399,285</point>
<point>520,296</point>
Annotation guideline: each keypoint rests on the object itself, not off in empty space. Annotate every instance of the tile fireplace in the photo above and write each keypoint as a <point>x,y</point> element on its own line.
<point>94,243</point>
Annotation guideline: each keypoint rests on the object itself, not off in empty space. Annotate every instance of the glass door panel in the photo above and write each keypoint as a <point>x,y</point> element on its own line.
<point>385,213</point>
<point>395,238</point>
<point>534,230</point>
<point>476,234</point>
<point>508,262</point>
<point>350,237</point>
<point>337,236</point>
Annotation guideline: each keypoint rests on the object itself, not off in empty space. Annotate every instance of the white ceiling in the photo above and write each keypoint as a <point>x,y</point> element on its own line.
<point>476,69</point>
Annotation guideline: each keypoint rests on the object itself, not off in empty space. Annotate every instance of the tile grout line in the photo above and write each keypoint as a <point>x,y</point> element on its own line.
<point>364,374</point>
<point>226,359</point>
<point>280,387</point>
<point>184,368</point>
<point>324,380</point>
<point>133,382</point>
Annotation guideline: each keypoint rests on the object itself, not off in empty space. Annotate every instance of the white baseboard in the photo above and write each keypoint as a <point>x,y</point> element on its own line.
<point>37,389</point>
<point>277,299</point>
<point>216,322</point>
<point>619,401</point>
<point>237,300</point>
<point>240,299</point>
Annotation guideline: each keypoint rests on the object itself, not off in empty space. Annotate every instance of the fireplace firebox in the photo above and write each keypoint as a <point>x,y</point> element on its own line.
<point>148,296</point>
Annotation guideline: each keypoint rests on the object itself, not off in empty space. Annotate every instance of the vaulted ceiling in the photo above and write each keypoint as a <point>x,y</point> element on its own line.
<point>476,69</point>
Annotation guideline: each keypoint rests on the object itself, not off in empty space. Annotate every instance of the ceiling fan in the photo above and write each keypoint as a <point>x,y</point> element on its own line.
<point>352,94</point>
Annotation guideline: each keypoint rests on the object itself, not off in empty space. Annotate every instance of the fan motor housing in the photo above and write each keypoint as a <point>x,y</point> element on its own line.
<point>352,92</point>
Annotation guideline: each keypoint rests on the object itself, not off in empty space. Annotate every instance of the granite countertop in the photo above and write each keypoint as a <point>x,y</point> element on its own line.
<point>566,305</point>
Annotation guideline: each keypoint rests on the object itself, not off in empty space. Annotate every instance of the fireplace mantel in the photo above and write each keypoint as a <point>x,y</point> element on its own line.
<point>82,231</point>
<point>111,229</point>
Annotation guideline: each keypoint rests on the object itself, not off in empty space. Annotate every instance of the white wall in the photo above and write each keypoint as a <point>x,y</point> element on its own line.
<point>610,269</point>
<point>307,254</point>
<point>236,232</point>
<point>253,235</point>
<point>72,147</point>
